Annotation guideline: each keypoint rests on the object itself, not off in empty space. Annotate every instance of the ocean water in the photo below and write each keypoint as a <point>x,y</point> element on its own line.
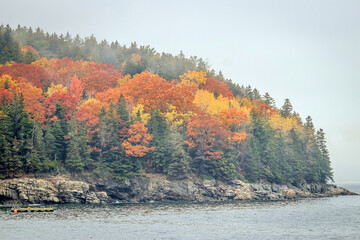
<point>323,218</point>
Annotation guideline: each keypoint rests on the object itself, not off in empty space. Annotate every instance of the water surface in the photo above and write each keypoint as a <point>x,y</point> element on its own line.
<point>325,218</point>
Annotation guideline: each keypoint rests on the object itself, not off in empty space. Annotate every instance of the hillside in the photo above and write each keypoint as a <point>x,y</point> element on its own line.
<point>103,110</point>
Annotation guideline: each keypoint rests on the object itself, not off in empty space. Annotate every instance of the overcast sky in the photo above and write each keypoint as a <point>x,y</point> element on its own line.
<point>307,51</point>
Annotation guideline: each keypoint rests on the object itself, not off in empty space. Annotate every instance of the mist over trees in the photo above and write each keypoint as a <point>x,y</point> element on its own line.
<point>99,109</point>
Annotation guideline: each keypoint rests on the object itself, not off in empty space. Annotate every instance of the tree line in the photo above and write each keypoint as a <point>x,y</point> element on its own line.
<point>106,110</point>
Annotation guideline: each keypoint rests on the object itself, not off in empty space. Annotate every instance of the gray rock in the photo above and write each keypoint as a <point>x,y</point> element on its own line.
<point>151,188</point>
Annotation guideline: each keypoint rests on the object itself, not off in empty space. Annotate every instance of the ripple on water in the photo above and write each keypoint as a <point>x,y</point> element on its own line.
<point>325,218</point>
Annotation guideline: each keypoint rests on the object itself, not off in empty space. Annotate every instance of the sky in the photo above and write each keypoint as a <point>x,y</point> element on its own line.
<point>307,51</point>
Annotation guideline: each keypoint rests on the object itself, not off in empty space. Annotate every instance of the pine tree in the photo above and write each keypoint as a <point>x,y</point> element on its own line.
<point>14,162</point>
<point>122,111</point>
<point>74,162</point>
<point>253,160</point>
<point>287,109</point>
<point>159,129</point>
<point>269,100</point>
<point>326,171</point>
<point>5,157</point>
<point>32,159</point>
<point>179,168</point>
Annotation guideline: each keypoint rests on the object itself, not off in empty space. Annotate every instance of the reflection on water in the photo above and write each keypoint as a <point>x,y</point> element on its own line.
<point>324,218</point>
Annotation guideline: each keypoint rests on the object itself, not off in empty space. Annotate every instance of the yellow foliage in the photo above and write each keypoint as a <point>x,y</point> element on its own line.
<point>175,119</point>
<point>43,62</point>
<point>138,111</point>
<point>12,84</point>
<point>207,102</point>
<point>277,122</point>
<point>56,88</point>
<point>122,81</point>
<point>193,78</point>
<point>93,105</point>
<point>9,63</point>
<point>245,102</point>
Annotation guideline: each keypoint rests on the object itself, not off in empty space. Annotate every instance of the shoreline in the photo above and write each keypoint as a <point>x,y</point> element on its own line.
<point>152,189</point>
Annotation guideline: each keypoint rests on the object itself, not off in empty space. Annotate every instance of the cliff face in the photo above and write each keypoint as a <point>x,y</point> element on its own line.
<point>154,188</point>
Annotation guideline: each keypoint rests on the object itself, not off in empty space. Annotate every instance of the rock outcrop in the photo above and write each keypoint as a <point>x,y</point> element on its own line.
<point>152,188</point>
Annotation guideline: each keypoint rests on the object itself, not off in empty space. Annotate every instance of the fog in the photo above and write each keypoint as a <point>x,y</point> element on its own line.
<point>307,51</point>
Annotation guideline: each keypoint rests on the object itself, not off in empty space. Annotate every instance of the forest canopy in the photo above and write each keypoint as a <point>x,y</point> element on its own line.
<point>79,106</point>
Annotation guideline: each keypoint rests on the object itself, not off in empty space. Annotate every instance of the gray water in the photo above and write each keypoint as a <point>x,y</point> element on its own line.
<point>324,218</point>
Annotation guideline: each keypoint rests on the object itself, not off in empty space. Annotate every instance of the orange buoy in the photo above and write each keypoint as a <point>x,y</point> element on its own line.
<point>15,210</point>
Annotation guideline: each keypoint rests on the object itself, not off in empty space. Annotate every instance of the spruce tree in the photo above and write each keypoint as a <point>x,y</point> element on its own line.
<point>179,168</point>
<point>253,160</point>
<point>74,162</point>
<point>159,130</point>
<point>5,157</point>
<point>269,100</point>
<point>14,162</point>
<point>324,161</point>
<point>32,159</point>
<point>287,109</point>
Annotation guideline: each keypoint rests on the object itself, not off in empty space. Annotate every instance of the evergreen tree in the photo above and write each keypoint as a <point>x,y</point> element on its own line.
<point>253,160</point>
<point>269,100</point>
<point>159,130</point>
<point>32,159</point>
<point>122,111</point>
<point>179,168</point>
<point>57,151</point>
<point>256,94</point>
<point>324,161</point>
<point>74,162</point>
<point>287,109</point>
<point>5,157</point>
<point>14,162</point>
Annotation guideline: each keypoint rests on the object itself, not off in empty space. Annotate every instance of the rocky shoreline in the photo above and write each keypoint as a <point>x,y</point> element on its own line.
<point>59,190</point>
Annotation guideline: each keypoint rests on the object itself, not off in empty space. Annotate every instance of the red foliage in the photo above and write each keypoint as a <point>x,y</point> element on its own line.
<point>100,77</point>
<point>5,96</point>
<point>205,132</point>
<point>31,50</point>
<point>66,100</point>
<point>33,74</point>
<point>76,88</point>
<point>216,86</point>
<point>262,109</point>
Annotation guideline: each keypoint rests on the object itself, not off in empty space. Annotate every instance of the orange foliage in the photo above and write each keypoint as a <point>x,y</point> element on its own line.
<point>138,140</point>
<point>89,112</point>
<point>33,100</point>
<point>232,116</point>
<point>149,90</point>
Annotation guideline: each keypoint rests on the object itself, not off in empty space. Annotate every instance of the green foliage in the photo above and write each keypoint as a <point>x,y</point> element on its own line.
<point>9,48</point>
<point>223,168</point>
<point>287,109</point>
<point>159,130</point>
<point>63,143</point>
<point>179,168</point>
